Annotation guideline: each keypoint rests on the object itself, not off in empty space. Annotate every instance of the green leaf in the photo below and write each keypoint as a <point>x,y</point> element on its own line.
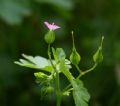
<point>59,54</point>
<point>54,54</point>
<point>64,68</point>
<point>37,62</point>
<point>80,94</point>
<point>12,11</point>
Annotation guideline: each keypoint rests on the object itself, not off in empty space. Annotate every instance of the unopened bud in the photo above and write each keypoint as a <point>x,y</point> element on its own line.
<point>49,89</point>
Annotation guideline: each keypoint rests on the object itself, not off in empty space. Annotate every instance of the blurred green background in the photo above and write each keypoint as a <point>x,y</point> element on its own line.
<point>22,31</point>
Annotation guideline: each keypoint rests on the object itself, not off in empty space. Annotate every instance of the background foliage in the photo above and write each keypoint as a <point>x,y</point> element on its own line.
<point>22,31</point>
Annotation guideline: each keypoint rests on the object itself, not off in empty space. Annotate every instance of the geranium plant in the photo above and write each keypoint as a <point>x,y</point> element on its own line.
<point>51,68</point>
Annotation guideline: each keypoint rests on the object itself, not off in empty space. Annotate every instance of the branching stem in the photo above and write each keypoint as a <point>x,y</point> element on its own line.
<point>80,75</point>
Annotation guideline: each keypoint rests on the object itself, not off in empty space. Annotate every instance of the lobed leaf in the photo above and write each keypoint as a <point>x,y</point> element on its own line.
<point>80,93</point>
<point>37,62</point>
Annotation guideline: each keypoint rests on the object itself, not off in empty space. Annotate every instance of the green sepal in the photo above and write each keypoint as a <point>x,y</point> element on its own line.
<point>49,37</point>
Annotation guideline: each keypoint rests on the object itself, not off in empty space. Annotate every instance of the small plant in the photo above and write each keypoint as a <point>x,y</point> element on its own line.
<point>50,69</point>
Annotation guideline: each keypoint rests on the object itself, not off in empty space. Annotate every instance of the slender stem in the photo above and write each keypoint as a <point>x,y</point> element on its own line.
<point>73,40</point>
<point>80,71</point>
<point>87,71</point>
<point>66,88</point>
<point>58,92</point>
<point>57,80</point>
<point>81,74</point>
<point>49,55</point>
<point>77,67</point>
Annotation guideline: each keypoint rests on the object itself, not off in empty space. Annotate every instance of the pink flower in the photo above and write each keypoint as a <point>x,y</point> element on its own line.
<point>51,26</point>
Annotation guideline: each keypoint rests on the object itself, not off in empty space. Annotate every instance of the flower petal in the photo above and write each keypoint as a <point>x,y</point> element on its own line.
<point>51,26</point>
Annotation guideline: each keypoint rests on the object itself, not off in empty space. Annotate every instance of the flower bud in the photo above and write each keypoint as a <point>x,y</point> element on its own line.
<point>40,75</point>
<point>50,37</point>
<point>49,89</point>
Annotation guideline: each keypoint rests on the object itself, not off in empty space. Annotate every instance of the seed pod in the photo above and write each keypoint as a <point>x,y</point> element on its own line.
<point>75,57</point>
<point>98,57</point>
